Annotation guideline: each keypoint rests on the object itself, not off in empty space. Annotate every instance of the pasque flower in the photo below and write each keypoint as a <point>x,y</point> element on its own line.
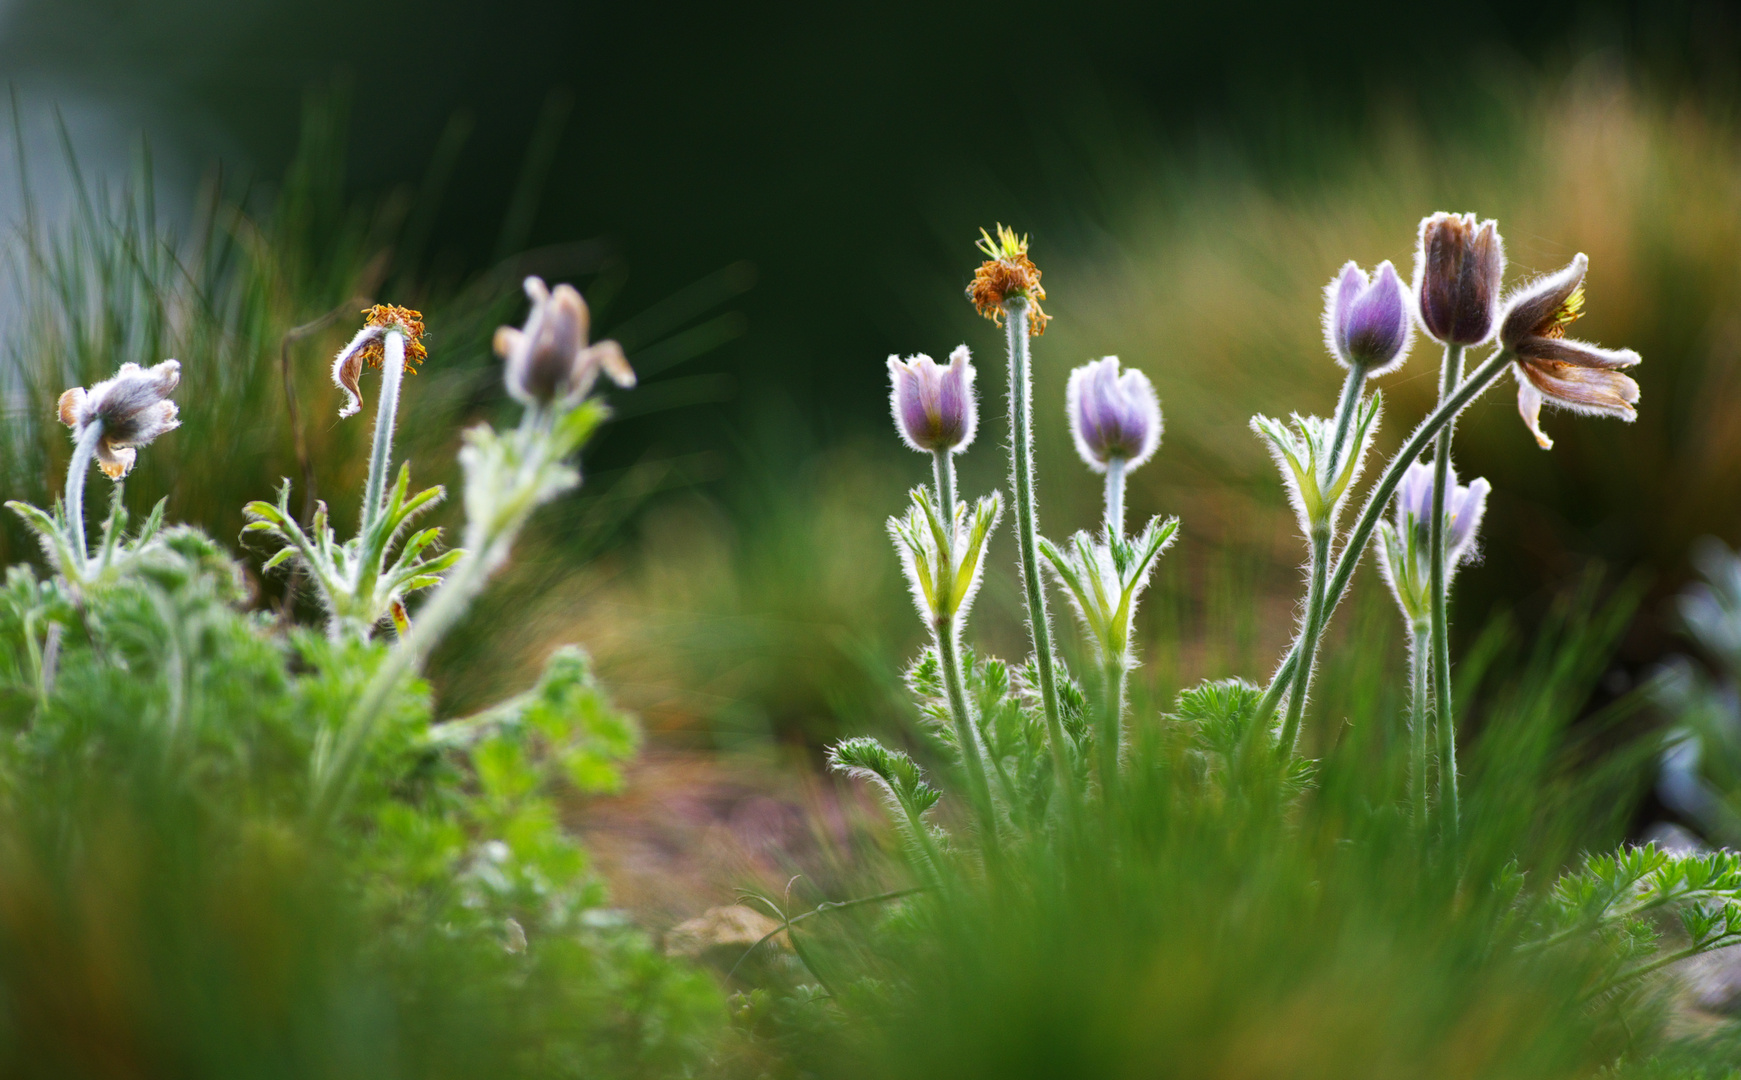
<point>1553,368</point>
<point>369,348</point>
<point>933,406</point>
<point>549,358</point>
<point>1113,415</point>
<point>1458,268</point>
<point>1403,555</point>
<point>133,407</point>
<point>1366,320</point>
<point>1464,505</point>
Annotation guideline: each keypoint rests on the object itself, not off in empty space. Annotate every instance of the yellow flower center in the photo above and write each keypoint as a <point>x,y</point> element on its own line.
<point>405,321</point>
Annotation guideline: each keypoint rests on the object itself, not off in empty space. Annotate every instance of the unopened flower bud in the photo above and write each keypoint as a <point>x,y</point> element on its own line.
<point>1113,415</point>
<point>1464,506</point>
<point>1458,269</point>
<point>1366,321</point>
<point>133,407</point>
<point>933,406</point>
<point>549,359</point>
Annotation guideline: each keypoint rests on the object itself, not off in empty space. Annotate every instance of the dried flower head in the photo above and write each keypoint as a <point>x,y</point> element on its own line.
<point>933,406</point>
<point>133,407</point>
<point>1555,369</point>
<point>369,347</point>
<point>1113,415</point>
<point>548,359</point>
<point>1007,272</point>
<point>1459,265</point>
<point>1366,321</point>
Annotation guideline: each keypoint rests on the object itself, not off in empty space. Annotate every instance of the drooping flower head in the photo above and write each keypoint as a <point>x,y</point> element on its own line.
<point>549,358</point>
<point>1113,415</point>
<point>1459,265</point>
<point>1366,321</point>
<point>369,347</point>
<point>933,406</point>
<point>133,407</point>
<point>1007,272</point>
<point>1553,368</point>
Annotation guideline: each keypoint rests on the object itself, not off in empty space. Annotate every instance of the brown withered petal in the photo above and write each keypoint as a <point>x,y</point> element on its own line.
<point>347,368</point>
<point>70,404</point>
<point>1592,390</point>
<point>1534,309</point>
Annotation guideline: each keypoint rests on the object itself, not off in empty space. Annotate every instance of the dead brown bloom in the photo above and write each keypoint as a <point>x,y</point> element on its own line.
<point>1008,273</point>
<point>393,317</point>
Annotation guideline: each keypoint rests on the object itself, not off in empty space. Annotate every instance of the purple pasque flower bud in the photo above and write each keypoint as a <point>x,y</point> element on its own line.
<point>933,406</point>
<point>1113,415</point>
<point>1366,321</point>
<point>1458,269</point>
<point>1464,506</point>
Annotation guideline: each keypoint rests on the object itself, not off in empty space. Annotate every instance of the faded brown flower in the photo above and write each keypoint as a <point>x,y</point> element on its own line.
<point>1008,272</point>
<point>133,408</point>
<point>1555,369</point>
<point>549,358</point>
<point>393,317</point>
<point>369,347</point>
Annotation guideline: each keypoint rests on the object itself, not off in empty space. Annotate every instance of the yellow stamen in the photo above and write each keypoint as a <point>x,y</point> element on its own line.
<point>405,321</point>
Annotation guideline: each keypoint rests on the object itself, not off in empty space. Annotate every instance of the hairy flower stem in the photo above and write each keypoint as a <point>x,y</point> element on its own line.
<point>1379,498</point>
<point>386,415</point>
<point>943,471</point>
<point>1111,738</point>
<point>488,543</point>
<point>1306,644</point>
<point>1450,375</point>
<point>1022,480</point>
<point>1312,625</point>
<point>1115,498</point>
<point>1420,658</point>
<point>972,757</point>
<point>948,654</point>
<point>76,471</point>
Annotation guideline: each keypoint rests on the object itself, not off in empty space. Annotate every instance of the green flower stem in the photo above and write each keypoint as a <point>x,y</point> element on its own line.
<point>488,543</point>
<point>943,471</point>
<point>1111,738</point>
<point>77,469</point>
<point>1306,643</point>
<point>1450,375</point>
<point>948,654</point>
<point>1312,625</point>
<point>1022,481</point>
<point>1373,509</point>
<point>1420,658</point>
<point>1345,410</point>
<point>1115,472</point>
<point>386,416</point>
<point>972,757</point>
